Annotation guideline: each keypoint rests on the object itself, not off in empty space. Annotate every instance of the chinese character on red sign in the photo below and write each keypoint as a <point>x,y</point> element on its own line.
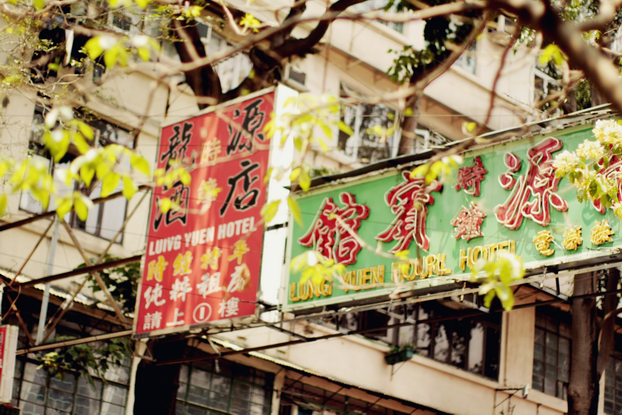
<point>409,202</point>
<point>330,239</point>
<point>534,192</point>
<point>202,261</point>
<point>470,177</point>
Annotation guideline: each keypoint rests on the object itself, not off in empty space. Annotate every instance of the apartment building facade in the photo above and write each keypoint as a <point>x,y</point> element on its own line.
<point>467,361</point>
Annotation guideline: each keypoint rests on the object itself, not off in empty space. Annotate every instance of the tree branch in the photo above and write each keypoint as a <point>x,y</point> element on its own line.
<point>597,67</point>
<point>203,80</point>
<point>303,46</point>
<point>607,328</point>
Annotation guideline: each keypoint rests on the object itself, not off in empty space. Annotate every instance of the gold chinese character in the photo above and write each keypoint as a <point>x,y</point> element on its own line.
<point>182,264</point>
<point>240,249</point>
<point>543,240</point>
<point>210,258</point>
<point>572,238</point>
<point>155,270</point>
<point>601,233</point>
<point>207,193</point>
<point>211,150</point>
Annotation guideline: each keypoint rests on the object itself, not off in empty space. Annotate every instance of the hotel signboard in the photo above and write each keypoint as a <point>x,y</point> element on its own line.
<point>505,197</point>
<point>203,256</point>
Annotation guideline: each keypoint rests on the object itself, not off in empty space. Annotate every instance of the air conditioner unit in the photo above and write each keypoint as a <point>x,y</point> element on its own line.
<point>294,78</point>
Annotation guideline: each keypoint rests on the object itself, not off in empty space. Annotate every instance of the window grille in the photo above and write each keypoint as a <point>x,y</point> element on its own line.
<point>35,393</point>
<point>223,387</point>
<point>551,360</point>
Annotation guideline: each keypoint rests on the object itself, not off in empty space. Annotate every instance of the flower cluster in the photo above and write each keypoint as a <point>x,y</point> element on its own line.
<point>590,150</point>
<point>608,132</point>
<point>566,162</point>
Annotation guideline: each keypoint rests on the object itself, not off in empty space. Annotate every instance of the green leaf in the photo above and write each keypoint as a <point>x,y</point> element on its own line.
<point>141,164</point>
<point>295,208</point>
<point>102,170</point>
<point>129,188</point>
<point>3,203</point>
<point>268,211</point>
<point>143,53</point>
<point>165,205</point>
<point>109,183</point>
<point>307,274</point>
<point>305,179</point>
<point>39,4</point>
<point>64,207</point>
<point>143,3</point>
<point>86,130</point>
<point>298,143</point>
<point>489,297</point>
<point>94,48</point>
<point>323,145</point>
<point>420,171</point>
<point>81,209</point>
<point>327,130</point>
<point>81,143</point>
<point>185,177</point>
<point>111,56</point>
<point>294,174</point>
<point>552,52</point>
<point>345,128</point>
<point>87,172</point>
<point>469,127</point>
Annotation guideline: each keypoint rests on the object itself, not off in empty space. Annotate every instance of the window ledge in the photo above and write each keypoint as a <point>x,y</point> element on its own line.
<point>550,401</point>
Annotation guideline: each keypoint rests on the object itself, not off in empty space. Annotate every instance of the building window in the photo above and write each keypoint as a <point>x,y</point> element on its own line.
<point>470,343</point>
<point>223,387</point>
<point>371,5</point>
<point>437,332</point>
<point>35,393</point>
<point>231,71</point>
<point>105,219</point>
<point>543,84</point>
<point>551,359</point>
<point>613,386</point>
<point>613,380</point>
<point>368,144</point>
<point>468,60</point>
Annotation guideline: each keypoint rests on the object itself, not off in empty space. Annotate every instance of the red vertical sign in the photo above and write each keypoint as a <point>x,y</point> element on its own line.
<point>3,338</point>
<point>202,261</point>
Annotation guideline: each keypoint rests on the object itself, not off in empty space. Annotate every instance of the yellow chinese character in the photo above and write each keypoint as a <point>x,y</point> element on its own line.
<point>543,240</point>
<point>155,270</point>
<point>211,150</point>
<point>240,249</point>
<point>210,258</point>
<point>572,238</point>
<point>182,264</point>
<point>207,193</point>
<point>601,233</point>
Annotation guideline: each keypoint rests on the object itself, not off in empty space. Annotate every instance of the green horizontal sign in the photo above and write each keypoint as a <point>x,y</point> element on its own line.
<point>504,197</point>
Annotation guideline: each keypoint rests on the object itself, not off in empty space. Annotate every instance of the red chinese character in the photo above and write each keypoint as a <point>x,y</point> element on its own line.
<point>612,172</point>
<point>468,223</point>
<point>330,239</point>
<point>533,192</point>
<point>470,177</point>
<point>408,202</point>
